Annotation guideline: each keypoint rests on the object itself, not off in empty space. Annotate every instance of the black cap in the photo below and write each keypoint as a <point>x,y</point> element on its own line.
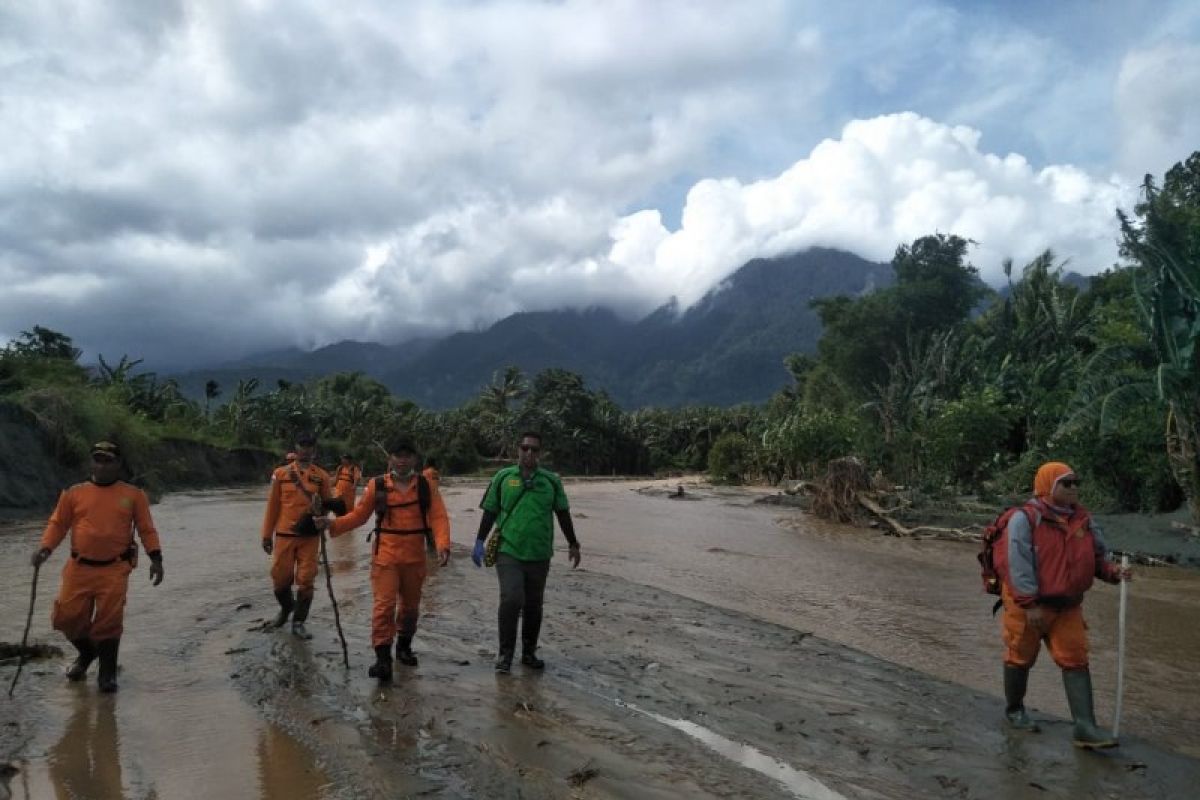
<point>306,439</point>
<point>401,445</point>
<point>109,449</point>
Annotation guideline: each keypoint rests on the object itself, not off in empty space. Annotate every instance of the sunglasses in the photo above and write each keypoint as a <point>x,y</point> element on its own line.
<point>530,448</point>
<point>1069,483</point>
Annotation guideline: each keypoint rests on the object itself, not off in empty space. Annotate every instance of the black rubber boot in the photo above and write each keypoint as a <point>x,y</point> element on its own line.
<point>1078,683</point>
<point>382,668</point>
<point>303,604</point>
<point>107,651</point>
<point>286,604</point>
<point>529,659</point>
<point>504,662</point>
<point>404,653</point>
<point>1015,681</point>
<point>87,654</point>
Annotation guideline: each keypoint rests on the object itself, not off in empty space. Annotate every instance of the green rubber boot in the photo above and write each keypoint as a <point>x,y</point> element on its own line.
<point>1089,736</point>
<point>1015,681</point>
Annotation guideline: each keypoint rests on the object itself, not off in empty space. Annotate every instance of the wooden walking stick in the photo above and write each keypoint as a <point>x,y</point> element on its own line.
<point>25,636</point>
<point>1121,649</point>
<point>337,617</point>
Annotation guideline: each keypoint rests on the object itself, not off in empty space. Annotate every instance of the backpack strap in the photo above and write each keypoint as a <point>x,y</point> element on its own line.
<point>295,476</point>
<point>381,507</point>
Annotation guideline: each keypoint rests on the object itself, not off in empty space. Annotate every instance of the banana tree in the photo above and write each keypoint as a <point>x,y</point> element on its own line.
<point>1164,241</point>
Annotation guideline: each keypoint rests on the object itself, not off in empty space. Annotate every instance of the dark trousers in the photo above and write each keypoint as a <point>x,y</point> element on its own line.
<point>522,586</point>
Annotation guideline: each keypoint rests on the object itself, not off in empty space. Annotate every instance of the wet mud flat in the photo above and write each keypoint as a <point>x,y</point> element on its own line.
<point>649,694</point>
<point>679,665</point>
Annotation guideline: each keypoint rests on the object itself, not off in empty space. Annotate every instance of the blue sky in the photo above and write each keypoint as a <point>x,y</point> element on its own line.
<point>193,181</point>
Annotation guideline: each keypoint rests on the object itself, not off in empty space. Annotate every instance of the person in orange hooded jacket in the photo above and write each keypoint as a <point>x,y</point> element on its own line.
<point>398,559</point>
<point>299,490</point>
<point>1049,555</point>
<point>345,480</point>
<point>101,516</point>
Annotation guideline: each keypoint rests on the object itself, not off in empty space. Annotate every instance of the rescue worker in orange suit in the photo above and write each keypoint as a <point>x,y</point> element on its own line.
<point>101,515</point>
<point>398,561</point>
<point>299,490</point>
<point>345,480</point>
<point>1047,559</point>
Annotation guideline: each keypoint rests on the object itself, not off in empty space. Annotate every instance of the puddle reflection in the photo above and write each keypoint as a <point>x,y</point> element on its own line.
<point>86,760</point>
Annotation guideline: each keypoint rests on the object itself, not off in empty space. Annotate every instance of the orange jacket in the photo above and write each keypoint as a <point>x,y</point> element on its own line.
<point>404,514</point>
<point>101,520</point>
<point>286,504</point>
<point>351,474</point>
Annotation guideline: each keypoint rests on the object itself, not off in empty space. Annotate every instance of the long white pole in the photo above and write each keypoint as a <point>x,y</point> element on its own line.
<point>1121,649</point>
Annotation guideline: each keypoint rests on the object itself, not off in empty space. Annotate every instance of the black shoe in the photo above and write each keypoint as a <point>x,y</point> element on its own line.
<point>286,604</point>
<point>107,651</point>
<point>87,654</point>
<point>404,653</point>
<point>382,668</point>
<point>300,632</point>
<point>532,661</point>
<point>504,663</point>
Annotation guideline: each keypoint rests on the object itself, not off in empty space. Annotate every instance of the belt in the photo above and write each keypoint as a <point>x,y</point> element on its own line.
<point>92,562</point>
<point>405,531</point>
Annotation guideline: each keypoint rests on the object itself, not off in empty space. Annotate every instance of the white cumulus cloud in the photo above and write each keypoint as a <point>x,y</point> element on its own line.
<point>885,182</point>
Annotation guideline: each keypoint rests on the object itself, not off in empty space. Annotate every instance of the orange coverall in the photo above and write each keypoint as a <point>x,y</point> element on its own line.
<point>345,481</point>
<point>398,563</point>
<point>295,557</point>
<point>101,520</point>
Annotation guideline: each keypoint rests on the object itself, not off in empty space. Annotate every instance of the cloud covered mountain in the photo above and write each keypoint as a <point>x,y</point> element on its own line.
<point>726,348</point>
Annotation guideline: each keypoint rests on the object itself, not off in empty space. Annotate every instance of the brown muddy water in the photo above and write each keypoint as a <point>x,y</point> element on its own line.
<point>706,648</point>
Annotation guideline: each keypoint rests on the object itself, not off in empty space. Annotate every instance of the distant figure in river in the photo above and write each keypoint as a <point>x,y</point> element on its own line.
<point>1047,558</point>
<point>298,491</point>
<point>101,515</point>
<point>407,509</point>
<point>522,501</point>
<point>346,479</point>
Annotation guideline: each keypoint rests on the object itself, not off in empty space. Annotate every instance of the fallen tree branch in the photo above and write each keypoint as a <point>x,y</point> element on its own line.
<point>920,531</point>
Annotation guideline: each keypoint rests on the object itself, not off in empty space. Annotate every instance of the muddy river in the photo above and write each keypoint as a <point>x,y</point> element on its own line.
<point>707,647</point>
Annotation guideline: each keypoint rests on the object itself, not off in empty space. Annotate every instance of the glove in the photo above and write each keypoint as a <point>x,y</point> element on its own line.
<point>477,553</point>
<point>268,546</point>
<point>156,572</point>
<point>40,557</point>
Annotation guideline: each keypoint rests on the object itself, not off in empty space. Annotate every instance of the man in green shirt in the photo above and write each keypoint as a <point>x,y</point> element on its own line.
<point>520,501</point>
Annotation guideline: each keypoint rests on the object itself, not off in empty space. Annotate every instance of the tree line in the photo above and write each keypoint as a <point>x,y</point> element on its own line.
<point>936,382</point>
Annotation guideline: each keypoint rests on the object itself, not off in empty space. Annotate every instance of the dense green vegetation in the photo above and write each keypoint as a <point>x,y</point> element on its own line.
<point>935,381</point>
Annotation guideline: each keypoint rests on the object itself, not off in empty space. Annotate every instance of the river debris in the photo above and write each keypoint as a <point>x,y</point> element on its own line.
<point>850,495</point>
<point>582,774</point>
<point>32,652</point>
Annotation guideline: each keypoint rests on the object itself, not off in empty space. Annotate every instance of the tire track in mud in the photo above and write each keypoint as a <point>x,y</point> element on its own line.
<point>451,728</point>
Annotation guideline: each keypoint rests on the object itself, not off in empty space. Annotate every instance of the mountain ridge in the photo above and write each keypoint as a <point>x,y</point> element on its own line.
<point>727,348</point>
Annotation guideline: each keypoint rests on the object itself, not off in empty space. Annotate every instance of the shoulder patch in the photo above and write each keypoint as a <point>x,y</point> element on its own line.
<point>125,502</point>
